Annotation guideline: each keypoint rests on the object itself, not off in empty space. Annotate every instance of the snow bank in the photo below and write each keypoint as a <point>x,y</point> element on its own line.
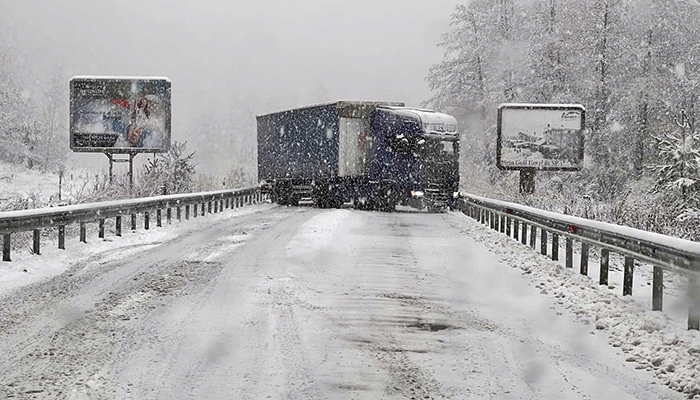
<point>651,340</point>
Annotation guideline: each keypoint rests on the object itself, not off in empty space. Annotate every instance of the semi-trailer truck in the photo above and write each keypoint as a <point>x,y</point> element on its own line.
<point>373,154</point>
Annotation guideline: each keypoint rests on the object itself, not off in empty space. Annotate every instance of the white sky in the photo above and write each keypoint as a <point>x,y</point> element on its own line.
<point>220,53</point>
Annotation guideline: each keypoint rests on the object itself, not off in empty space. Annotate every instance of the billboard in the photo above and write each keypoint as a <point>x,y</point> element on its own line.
<point>540,136</point>
<point>119,114</point>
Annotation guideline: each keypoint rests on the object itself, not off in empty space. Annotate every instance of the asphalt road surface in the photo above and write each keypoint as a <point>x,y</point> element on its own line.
<point>301,303</point>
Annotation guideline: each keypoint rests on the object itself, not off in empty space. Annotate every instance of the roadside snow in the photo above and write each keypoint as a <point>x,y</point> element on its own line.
<point>26,269</point>
<point>18,184</point>
<point>654,341</point>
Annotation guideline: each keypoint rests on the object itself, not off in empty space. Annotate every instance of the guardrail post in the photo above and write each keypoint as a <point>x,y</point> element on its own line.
<point>569,253</point>
<point>584,258</point>
<point>6,246</point>
<point>657,290</point>
<point>101,228</point>
<point>228,202</point>
<point>492,220</point>
<point>694,300</point>
<point>502,225</point>
<point>146,220</point>
<point>83,232</point>
<point>62,237</point>
<point>555,247</point>
<point>693,319</point>
<point>118,225</point>
<point>628,277</point>
<point>216,206</point>
<point>36,248</point>
<point>604,266</point>
<point>508,226</point>
<point>169,215</point>
<point>523,238</point>
<point>187,212</point>
<point>158,218</point>
<point>179,213</point>
<point>533,237</point>
<point>133,222</point>
<point>516,229</point>
<point>204,209</point>
<point>209,207</point>
<point>543,241</point>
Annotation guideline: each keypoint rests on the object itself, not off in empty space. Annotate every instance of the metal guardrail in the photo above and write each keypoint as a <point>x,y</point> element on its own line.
<point>34,220</point>
<point>663,252</point>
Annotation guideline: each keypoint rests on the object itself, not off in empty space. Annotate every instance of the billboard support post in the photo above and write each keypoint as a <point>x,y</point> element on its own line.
<point>130,160</point>
<point>527,180</point>
<point>131,171</point>
<point>111,167</point>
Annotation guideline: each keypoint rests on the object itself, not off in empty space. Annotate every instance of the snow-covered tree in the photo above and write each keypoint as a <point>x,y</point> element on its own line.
<point>171,172</point>
<point>679,154</point>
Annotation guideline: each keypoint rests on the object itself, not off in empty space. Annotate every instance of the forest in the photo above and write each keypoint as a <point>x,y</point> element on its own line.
<point>633,64</point>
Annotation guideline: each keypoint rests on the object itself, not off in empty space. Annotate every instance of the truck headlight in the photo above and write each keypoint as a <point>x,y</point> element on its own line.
<point>416,194</point>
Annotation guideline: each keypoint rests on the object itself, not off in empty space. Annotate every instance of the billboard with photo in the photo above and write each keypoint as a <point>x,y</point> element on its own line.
<point>119,114</point>
<point>541,136</point>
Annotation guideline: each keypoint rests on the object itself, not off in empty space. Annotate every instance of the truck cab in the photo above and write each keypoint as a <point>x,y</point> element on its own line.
<point>416,159</point>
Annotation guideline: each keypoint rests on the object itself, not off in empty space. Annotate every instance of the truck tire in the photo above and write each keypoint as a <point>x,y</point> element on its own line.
<point>293,200</point>
<point>283,193</point>
<point>322,195</point>
<point>360,204</point>
<point>387,199</point>
<point>433,209</point>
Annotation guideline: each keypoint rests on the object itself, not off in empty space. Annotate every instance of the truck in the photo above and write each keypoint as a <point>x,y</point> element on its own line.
<point>375,155</point>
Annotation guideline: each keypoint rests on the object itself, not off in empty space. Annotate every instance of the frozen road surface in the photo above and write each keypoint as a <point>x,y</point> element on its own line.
<point>299,303</point>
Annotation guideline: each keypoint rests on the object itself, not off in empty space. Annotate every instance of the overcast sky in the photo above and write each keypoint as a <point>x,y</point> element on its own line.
<point>214,51</point>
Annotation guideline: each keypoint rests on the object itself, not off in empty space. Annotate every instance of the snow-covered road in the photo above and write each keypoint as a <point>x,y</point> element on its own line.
<point>298,303</point>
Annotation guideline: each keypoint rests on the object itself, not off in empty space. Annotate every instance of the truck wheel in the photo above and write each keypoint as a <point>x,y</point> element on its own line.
<point>436,209</point>
<point>360,204</point>
<point>283,193</point>
<point>387,200</point>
